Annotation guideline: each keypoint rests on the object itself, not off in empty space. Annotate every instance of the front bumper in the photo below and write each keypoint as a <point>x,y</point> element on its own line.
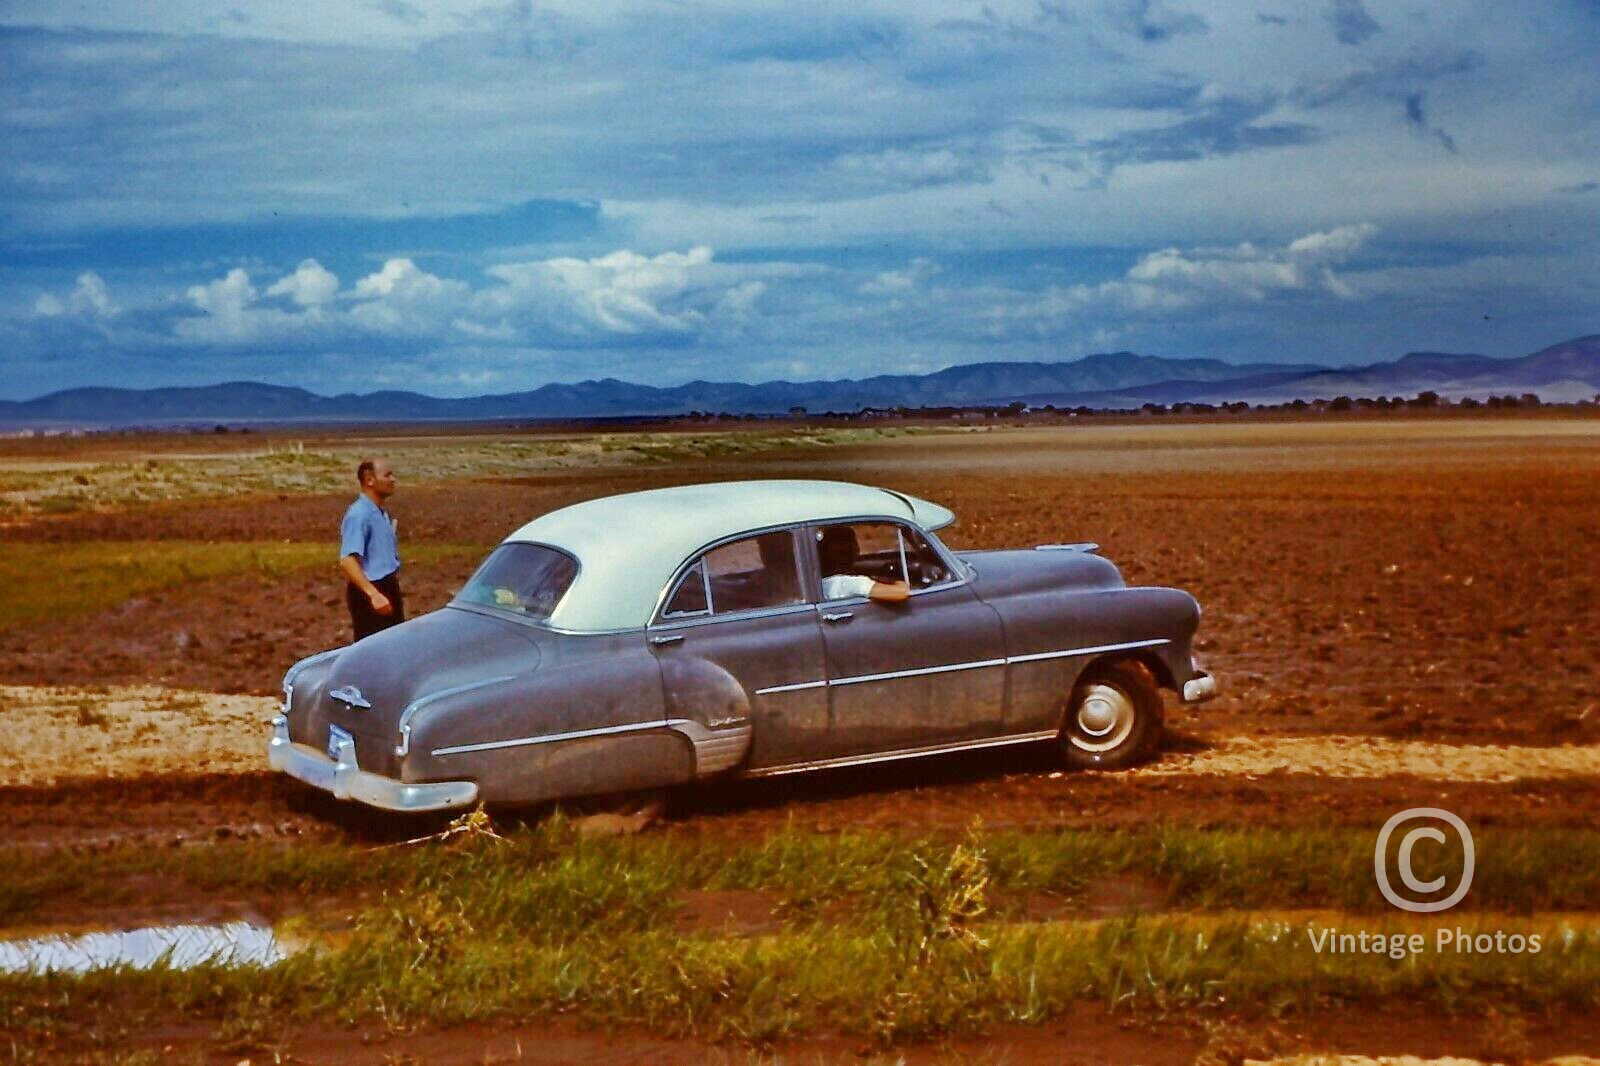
<point>345,780</point>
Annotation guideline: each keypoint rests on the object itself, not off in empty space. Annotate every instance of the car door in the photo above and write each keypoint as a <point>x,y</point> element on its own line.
<point>737,638</point>
<point>929,671</point>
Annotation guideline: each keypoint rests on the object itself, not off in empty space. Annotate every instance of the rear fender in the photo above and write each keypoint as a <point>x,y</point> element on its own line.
<point>710,708</point>
<point>585,726</point>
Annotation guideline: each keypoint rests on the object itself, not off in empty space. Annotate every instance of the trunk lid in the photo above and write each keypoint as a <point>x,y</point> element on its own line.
<point>374,680</point>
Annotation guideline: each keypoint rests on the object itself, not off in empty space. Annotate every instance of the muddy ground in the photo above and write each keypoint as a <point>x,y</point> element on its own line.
<point>1430,580</point>
<point>1401,613</point>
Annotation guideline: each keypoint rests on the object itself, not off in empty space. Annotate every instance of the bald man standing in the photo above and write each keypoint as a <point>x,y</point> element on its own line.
<point>369,553</point>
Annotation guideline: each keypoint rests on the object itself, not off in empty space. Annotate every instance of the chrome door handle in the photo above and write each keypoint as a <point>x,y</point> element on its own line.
<point>836,617</point>
<point>670,638</point>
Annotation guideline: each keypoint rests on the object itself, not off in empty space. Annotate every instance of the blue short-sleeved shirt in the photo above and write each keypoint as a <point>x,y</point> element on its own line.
<point>368,533</point>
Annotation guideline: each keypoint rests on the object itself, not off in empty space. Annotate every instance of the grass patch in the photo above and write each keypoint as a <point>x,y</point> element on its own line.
<point>544,877</point>
<point>906,946</point>
<point>29,488</point>
<point>44,582</point>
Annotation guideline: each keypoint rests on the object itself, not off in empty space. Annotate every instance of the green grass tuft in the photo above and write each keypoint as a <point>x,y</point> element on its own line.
<point>44,582</point>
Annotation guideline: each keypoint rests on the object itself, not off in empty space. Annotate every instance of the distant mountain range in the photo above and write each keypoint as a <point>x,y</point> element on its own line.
<point>1562,373</point>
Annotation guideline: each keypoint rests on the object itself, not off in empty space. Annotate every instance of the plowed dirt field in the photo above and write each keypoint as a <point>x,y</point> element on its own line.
<point>1401,612</point>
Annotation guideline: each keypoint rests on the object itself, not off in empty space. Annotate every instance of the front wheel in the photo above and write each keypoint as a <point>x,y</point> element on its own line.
<point>1113,719</point>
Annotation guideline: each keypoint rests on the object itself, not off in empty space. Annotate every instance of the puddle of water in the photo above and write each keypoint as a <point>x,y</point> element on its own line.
<point>179,947</point>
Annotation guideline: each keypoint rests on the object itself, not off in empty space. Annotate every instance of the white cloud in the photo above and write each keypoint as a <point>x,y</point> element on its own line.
<point>900,282</point>
<point>1174,281</point>
<point>226,297</point>
<point>89,297</point>
<point>897,167</point>
<point>740,303</point>
<point>624,298</point>
<point>623,294</point>
<point>1334,246</point>
<point>311,285</point>
<point>1171,277</point>
<point>404,299</point>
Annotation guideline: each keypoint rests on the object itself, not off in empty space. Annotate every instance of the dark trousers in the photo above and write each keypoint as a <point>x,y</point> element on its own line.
<point>363,618</point>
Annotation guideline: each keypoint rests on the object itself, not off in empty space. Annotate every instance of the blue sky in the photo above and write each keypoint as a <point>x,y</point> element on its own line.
<point>459,198</point>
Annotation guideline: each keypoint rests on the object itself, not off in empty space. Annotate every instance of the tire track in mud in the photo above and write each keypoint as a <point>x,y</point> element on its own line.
<point>1375,757</point>
<point>132,731</point>
<point>88,767</point>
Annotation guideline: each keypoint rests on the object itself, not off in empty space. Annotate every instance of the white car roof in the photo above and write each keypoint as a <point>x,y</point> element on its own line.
<point>629,546</point>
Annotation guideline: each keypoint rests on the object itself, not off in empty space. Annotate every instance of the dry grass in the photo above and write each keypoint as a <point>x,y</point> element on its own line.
<point>1376,757</point>
<point>91,479</point>
<point>55,733</point>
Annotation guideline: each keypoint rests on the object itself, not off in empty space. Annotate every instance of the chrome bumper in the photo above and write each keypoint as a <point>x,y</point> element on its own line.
<point>345,780</point>
<point>1198,688</point>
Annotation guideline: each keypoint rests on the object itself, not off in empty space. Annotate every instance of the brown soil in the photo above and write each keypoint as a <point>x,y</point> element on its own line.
<point>1085,1035</point>
<point>940,796</point>
<point>1432,586</point>
<point>1418,583</point>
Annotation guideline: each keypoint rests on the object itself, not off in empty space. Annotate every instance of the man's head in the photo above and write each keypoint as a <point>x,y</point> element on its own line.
<point>376,479</point>
<point>837,549</point>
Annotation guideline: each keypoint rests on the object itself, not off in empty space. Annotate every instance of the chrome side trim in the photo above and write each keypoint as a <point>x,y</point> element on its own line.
<point>716,749</point>
<point>905,753</point>
<point>949,668</point>
<point>1099,650</point>
<point>552,738</point>
<point>310,660</point>
<point>415,706</point>
<point>975,665</point>
<point>1083,546</point>
<point>798,686</point>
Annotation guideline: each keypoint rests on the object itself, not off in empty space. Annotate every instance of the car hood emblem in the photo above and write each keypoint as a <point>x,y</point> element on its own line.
<point>351,695</point>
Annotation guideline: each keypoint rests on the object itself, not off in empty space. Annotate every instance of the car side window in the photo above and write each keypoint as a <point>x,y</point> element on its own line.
<point>689,598</point>
<point>924,564</point>
<point>880,551</point>
<point>744,575</point>
<point>753,573</point>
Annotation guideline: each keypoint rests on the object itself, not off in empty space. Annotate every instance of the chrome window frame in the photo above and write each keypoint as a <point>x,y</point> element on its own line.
<point>955,571</point>
<point>660,619</point>
<point>705,590</point>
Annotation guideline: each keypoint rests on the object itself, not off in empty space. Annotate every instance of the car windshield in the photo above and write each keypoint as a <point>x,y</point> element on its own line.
<point>525,579</point>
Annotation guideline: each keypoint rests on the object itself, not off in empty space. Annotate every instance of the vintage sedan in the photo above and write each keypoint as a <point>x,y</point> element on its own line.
<point>752,628</point>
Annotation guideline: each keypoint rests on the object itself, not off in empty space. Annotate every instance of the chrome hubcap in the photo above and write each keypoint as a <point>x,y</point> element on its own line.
<point>1103,720</point>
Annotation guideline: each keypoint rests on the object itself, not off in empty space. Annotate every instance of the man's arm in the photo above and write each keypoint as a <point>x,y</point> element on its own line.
<point>351,566</point>
<point>843,586</point>
<point>890,592</point>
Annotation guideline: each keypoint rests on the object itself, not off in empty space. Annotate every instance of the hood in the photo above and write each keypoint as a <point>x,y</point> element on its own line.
<point>1028,569</point>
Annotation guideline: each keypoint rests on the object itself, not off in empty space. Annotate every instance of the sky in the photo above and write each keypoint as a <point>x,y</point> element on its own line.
<point>460,199</point>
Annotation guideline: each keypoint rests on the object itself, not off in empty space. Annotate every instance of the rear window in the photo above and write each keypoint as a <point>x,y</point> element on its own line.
<point>524,579</point>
